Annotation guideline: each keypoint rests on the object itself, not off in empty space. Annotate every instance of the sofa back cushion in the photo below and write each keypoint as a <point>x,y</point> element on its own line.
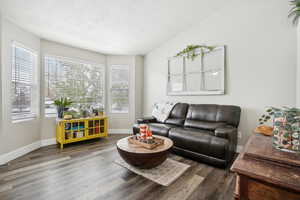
<point>211,116</point>
<point>178,114</point>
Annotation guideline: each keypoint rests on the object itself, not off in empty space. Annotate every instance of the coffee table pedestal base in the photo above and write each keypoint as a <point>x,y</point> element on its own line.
<point>143,160</point>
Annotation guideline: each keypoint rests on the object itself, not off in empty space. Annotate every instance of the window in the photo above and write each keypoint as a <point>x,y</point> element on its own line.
<point>23,83</point>
<point>119,89</point>
<point>82,82</point>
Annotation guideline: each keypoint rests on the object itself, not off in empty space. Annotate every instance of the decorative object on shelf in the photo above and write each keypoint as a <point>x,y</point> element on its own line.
<point>67,116</point>
<point>146,143</point>
<point>98,111</point>
<point>197,70</point>
<point>145,138</point>
<point>143,131</point>
<point>295,11</point>
<point>62,105</point>
<point>190,52</point>
<point>286,132</point>
<point>85,111</point>
<point>71,114</point>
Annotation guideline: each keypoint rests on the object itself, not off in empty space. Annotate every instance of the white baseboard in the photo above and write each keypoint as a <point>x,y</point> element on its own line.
<point>47,142</point>
<point>120,131</point>
<point>5,158</point>
<point>239,148</point>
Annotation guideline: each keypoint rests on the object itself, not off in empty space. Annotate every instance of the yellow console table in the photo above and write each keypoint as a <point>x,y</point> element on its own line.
<point>74,130</point>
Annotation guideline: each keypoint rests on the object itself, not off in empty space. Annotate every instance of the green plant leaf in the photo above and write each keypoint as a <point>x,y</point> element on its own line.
<point>295,11</point>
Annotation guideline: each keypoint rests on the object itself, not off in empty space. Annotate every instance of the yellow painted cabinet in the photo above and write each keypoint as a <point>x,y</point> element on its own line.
<point>69,131</point>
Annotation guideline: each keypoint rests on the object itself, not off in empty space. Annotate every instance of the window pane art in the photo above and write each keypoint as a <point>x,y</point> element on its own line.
<point>176,83</point>
<point>119,89</point>
<point>176,64</point>
<point>204,75</point>
<point>175,74</point>
<point>82,82</point>
<point>23,83</point>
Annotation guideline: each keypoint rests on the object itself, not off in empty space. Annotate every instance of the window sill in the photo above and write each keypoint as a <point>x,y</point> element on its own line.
<point>119,113</point>
<point>50,116</point>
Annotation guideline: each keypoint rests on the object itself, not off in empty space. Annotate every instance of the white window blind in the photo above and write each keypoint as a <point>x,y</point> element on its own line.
<point>119,89</point>
<point>24,87</point>
<point>82,82</point>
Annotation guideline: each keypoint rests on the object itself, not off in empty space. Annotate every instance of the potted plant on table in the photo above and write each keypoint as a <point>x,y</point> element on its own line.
<point>62,105</point>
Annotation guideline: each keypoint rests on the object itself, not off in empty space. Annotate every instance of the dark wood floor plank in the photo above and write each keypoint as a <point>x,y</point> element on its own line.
<point>86,171</point>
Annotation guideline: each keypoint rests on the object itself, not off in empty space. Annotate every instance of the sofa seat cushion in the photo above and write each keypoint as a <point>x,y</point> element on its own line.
<point>203,124</point>
<point>199,141</point>
<point>156,128</point>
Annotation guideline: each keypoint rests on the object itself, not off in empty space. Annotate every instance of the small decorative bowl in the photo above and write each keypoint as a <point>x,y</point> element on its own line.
<point>265,130</point>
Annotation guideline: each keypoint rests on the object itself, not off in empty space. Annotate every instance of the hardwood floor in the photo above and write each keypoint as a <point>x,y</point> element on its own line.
<point>86,170</point>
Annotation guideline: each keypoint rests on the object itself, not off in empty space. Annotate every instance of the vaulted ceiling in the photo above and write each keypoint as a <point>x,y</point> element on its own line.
<point>108,26</point>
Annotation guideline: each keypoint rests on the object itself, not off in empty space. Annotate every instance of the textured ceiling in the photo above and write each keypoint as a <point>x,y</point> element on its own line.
<point>108,26</point>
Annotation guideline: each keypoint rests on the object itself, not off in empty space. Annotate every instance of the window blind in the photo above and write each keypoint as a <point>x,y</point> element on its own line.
<point>23,94</point>
<point>82,82</point>
<point>119,89</point>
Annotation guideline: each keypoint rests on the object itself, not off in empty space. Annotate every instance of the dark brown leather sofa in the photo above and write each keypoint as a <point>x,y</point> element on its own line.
<point>203,132</point>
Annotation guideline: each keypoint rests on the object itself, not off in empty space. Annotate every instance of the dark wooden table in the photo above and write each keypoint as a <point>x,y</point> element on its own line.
<point>265,173</point>
<point>141,157</point>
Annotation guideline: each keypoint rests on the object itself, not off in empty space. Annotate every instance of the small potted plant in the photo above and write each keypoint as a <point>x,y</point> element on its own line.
<point>62,105</point>
<point>286,127</point>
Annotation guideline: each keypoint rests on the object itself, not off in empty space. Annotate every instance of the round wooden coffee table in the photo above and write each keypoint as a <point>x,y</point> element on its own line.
<point>141,157</point>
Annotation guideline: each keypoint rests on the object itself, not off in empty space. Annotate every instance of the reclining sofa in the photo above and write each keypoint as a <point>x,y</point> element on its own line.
<point>203,132</point>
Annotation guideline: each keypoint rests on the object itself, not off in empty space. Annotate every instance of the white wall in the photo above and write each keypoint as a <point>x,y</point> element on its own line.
<point>1,63</point>
<point>139,86</point>
<point>15,135</point>
<point>261,59</point>
<point>298,66</point>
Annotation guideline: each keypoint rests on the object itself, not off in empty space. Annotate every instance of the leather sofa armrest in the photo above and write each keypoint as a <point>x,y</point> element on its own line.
<point>230,133</point>
<point>226,132</point>
<point>146,120</point>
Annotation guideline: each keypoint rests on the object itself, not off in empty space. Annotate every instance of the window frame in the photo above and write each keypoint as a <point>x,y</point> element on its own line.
<point>110,88</point>
<point>72,60</point>
<point>35,95</point>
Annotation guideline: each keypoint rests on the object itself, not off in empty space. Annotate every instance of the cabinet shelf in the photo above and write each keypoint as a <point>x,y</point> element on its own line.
<point>75,130</point>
